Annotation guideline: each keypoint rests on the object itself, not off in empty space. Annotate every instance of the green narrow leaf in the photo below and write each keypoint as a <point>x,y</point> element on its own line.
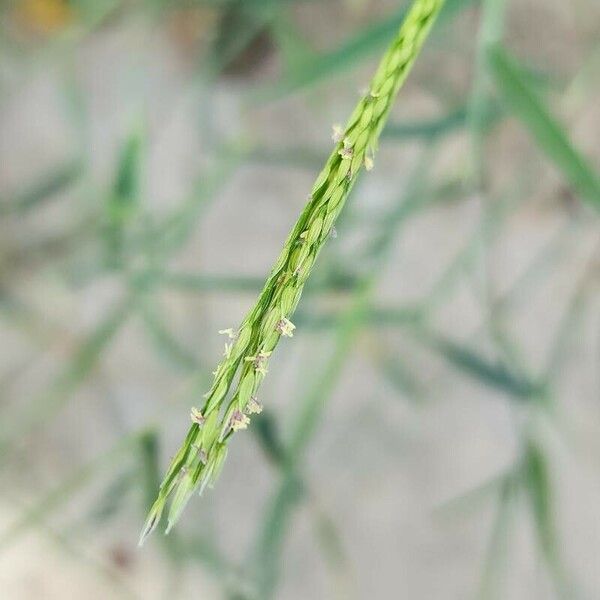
<point>400,377</point>
<point>265,430</point>
<point>536,475</point>
<point>181,281</point>
<point>471,499</point>
<point>209,282</point>
<point>334,554</point>
<point>111,500</point>
<point>544,128</point>
<point>149,466</point>
<point>291,44</point>
<point>497,551</point>
<point>45,189</point>
<point>366,43</point>
<point>150,472</point>
<point>272,534</point>
<point>373,316</point>
<point>49,503</point>
<point>123,201</point>
<point>569,327</point>
<point>48,404</point>
<point>326,532</point>
<point>492,374</point>
<point>241,26</point>
<point>427,129</point>
<point>537,484</point>
<point>127,181</point>
<point>480,104</point>
<point>165,343</point>
<point>176,229</point>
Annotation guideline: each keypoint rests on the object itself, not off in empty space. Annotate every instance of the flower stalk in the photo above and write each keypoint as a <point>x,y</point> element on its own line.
<point>228,404</point>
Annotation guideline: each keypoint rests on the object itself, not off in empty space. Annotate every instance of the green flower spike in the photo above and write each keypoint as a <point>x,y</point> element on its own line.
<point>200,459</point>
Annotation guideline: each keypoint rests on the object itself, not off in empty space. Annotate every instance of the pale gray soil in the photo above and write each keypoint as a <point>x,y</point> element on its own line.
<point>383,465</point>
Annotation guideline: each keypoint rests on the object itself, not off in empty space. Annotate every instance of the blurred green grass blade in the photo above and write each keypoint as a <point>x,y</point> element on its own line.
<point>192,282</point>
<point>430,129</point>
<point>126,187</point>
<point>366,43</point>
<point>537,484</point>
<point>204,550</point>
<point>446,283</point>
<point>544,128</point>
<point>240,24</point>
<point>427,129</point>
<point>496,554</point>
<point>400,377</point>
<point>273,531</point>
<point>471,499</point>
<point>23,317</point>
<point>107,573</point>
<point>537,268</point>
<point>49,503</point>
<point>314,402</point>
<point>150,471</point>
<point>150,465</point>
<point>93,12</point>
<point>375,317</point>
<point>453,8</point>
<point>47,406</point>
<point>268,436</point>
<point>275,524</point>
<point>538,487</point>
<point>334,554</point>
<point>571,321</point>
<point>491,374</point>
<point>290,156</point>
<point>292,47</point>
<point>55,247</point>
<point>123,200</point>
<point>326,532</point>
<point>112,499</point>
<point>90,351</point>
<point>209,282</point>
<point>47,188</point>
<point>159,242</point>
<point>480,103</point>
<point>180,225</point>
<point>165,343</point>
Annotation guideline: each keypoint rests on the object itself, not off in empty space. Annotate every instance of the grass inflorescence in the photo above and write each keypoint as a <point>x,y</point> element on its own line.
<point>232,398</point>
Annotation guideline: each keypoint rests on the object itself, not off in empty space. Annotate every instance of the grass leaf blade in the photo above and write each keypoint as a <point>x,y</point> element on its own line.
<point>545,129</point>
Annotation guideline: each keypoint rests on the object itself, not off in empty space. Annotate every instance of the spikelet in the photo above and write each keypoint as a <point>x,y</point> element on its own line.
<point>246,357</point>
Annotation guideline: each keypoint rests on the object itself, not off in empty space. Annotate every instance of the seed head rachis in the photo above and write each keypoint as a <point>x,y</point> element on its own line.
<point>227,405</point>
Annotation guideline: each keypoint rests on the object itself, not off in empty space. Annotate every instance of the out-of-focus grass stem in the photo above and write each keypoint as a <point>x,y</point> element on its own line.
<point>481,103</point>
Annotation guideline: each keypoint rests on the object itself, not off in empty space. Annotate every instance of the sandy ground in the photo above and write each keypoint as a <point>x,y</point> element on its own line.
<point>382,466</point>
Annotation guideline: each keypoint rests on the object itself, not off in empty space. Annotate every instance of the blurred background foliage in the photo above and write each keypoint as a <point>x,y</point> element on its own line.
<point>432,431</point>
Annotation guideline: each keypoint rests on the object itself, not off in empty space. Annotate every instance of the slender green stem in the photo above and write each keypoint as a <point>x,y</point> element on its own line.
<point>481,106</point>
